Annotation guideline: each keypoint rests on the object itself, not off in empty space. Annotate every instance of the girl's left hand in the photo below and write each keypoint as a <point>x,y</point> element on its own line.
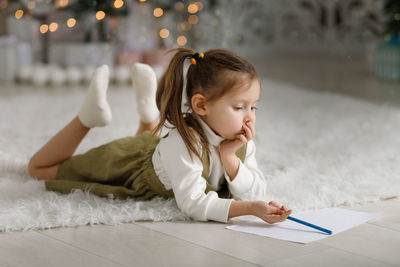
<point>270,212</point>
<point>229,147</point>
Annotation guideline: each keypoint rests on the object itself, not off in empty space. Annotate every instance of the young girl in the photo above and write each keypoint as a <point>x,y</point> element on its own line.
<point>207,161</point>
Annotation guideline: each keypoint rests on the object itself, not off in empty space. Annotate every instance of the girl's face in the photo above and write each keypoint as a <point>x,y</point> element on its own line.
<point>227,115</point>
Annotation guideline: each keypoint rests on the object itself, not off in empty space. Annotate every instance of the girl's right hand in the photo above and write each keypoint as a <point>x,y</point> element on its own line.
<point>270,212</point>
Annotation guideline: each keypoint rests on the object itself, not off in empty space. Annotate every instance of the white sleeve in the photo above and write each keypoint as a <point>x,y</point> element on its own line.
<point>188,184</point>
<point>249,183</point>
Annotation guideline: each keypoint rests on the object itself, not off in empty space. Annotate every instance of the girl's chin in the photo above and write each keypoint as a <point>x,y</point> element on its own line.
<point>232,137</point>
<point>228,136</point>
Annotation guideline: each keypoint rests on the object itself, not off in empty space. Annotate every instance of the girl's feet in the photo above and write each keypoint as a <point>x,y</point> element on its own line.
<point>95,111</point>
<point>144,82</point>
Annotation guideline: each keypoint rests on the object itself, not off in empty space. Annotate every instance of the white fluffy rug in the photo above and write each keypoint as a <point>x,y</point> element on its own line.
<point>316,149</point>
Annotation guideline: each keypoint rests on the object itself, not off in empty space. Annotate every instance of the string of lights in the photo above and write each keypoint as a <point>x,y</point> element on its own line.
<point>28,9</point>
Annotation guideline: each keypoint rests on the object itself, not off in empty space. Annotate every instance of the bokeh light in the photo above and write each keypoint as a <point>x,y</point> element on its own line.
<point>118,3</point>
<point>100,15</point>
<point>3,4</point>
<point>179,6</point>
<point>199,5</point>
<point>71,22</point>
<point>164,33</point>
<point>44,28</point>
<point>19,13</point>
<point>181,40</point>
<point>193,19</point>
<point>31,5</point>
<point>61,3</point>
<point>158,12</point>
<point>53,26</point>
<point>193,8</point>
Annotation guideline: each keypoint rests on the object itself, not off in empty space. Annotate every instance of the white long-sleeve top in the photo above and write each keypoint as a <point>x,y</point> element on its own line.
<point>176,170</point>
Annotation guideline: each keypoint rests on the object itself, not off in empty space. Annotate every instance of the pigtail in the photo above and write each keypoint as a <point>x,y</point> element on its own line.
<point>169,99</point>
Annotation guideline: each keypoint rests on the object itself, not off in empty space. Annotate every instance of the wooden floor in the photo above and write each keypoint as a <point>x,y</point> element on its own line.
<point>376,243</point>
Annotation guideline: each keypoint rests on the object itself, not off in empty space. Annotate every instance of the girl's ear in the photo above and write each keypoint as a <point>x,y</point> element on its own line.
<point>198,102</point>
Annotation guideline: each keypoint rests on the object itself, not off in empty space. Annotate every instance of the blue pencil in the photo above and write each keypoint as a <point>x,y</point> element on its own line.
<point>310,225</point>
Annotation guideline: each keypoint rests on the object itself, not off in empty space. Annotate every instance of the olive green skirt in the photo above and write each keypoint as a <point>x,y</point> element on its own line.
<point>122,168</point>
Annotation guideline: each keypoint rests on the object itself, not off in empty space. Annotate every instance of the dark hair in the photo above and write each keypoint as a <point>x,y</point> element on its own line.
<point>212,76</point>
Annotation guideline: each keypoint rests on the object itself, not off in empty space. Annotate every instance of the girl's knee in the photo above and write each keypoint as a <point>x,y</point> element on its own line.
<point>42,173</point>
<point>31,169</point>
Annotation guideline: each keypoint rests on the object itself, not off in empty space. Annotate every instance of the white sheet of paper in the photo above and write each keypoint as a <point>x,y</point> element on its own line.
<point>334,219</point>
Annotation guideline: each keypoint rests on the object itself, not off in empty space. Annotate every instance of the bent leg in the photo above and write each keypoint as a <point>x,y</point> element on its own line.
<point>95,112</point>
<point>44,164</point>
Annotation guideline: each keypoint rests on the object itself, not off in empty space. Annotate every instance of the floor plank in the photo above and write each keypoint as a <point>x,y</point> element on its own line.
<point>389,210</point>
<point>329,258</point>
<point>251,248</point>
<point>368,240</point>
<point>130,244</point>
<point>34,249</point>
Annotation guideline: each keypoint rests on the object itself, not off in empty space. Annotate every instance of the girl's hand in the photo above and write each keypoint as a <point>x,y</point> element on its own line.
<point>270,212</point>
<point>229,147</point>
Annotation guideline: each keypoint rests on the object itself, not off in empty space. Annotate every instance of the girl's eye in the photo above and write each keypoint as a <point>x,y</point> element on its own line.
<point>239,108</point>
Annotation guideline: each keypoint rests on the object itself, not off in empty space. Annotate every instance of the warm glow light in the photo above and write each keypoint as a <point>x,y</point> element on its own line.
<point>142,1</point>
<point>193,8</point>
<point>199,5</point>
<point>185,26</point>
<point>31,5</point>
<point>19,13</point>
<point>158,12</point>
<point>100,15</point>
<point>193,19</point>
<point>3,4</point>
<point>118,3</point>
<point>61,3</point>
<point>44,28</point>
<point>181,40</point>
<point>53,26</point>
<point>179,6</point>
<point>71,22</point>
<point>164,33</point>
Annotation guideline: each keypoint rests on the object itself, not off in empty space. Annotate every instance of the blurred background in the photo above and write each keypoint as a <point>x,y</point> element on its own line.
<point>346,46</point>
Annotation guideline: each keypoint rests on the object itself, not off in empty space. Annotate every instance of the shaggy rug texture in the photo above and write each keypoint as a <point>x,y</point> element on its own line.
<point>317,150</point>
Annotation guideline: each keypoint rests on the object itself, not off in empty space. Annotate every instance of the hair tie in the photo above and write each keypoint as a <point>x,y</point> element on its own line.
<point>196,57</point>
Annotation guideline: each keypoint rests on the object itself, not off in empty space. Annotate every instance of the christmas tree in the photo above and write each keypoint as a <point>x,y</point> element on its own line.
<point>80,9</point>
<point>84,8</point>
<point>392,27</point>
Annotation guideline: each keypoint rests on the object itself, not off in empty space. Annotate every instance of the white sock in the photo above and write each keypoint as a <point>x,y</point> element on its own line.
<point>95,111</point>
<point>144,82</point>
